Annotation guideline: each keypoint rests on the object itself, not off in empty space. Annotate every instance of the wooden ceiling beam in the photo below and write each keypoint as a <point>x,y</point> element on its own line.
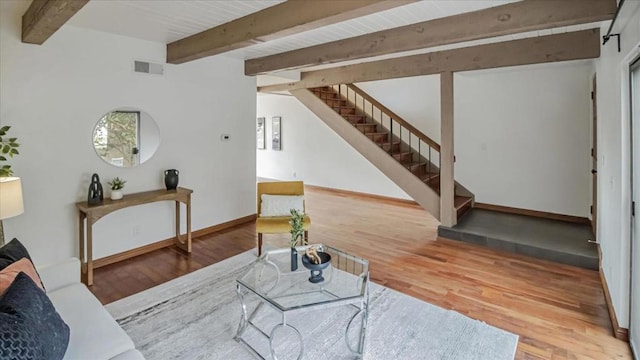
<point>501,20</point>
<point>544,49</point>
<point>284,19</point>
<point>44,17</point>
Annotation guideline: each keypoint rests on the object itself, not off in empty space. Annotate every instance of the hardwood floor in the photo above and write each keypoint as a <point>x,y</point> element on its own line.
<point>558,311</point>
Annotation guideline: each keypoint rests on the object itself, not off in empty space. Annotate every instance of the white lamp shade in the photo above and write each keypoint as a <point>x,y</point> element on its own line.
<point>10,197</point>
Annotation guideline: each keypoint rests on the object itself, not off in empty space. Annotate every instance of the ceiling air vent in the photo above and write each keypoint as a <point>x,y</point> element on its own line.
<point>147,67</point>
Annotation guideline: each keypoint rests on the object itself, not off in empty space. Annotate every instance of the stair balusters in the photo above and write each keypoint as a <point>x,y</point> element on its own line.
<point>414,150</point>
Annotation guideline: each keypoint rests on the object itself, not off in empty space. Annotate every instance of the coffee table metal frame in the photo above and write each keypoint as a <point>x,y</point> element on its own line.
<point>298,287</point>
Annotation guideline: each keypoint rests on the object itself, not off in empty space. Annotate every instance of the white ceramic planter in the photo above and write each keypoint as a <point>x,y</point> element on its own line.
<point>116,194</point>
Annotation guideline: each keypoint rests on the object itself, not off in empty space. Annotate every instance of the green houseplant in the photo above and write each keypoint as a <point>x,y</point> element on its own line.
<point>117,185</point>
<point>297,228</point>
<point>297,231</point>
<point>8,147</point>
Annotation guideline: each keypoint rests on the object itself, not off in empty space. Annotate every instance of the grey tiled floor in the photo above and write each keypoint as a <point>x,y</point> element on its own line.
<point>554,240</point>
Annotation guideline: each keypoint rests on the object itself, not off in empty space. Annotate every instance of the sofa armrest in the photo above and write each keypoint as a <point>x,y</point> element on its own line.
<point>59,275</point>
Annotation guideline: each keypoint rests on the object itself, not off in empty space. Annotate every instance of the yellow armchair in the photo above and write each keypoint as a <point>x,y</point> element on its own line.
<point>278,224</point>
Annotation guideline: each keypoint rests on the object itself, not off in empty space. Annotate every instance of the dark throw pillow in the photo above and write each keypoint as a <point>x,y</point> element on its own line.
<point>12,252</point>
<point>30,327</point>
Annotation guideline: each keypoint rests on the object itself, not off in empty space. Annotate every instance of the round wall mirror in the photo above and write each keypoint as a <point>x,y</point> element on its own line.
<point>126,137</point>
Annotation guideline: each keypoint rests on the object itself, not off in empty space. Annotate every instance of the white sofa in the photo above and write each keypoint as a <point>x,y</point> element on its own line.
<point>94,334</point>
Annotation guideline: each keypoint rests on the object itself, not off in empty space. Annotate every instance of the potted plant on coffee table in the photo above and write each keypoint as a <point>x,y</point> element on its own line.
<point>297,231</point>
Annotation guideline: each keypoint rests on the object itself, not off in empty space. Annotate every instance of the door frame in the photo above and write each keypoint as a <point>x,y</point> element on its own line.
<point>634,189</point>
<point>594,158</point>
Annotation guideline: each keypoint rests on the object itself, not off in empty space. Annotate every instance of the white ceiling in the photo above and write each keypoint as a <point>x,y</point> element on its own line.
<point>162,21</point>
<point>166,21</point>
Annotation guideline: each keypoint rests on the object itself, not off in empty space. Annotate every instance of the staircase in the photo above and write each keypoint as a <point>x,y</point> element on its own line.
<point>407,156</point>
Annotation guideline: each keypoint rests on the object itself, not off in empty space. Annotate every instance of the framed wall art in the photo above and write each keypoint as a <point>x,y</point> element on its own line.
<point>261,133</point>
<point>276,134</point>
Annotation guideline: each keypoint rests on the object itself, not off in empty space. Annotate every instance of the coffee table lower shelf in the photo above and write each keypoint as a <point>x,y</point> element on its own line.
<point>360,304</point>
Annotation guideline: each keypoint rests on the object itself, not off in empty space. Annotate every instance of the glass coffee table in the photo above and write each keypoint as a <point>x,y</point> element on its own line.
<point>271,281</point>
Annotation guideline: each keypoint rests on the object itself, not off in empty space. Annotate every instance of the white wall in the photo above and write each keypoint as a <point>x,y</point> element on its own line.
<point>52,95</point>
<point>315,153</point>
<point>522,136</point>
<point>613,156</point>
<point>415,99</point>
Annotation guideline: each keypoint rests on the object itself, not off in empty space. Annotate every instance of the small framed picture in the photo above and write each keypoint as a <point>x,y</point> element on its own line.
<point>260,133</point>
<point>276,134</point>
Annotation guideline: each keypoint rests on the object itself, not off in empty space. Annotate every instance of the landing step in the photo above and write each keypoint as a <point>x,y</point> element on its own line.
<point>554,240</point>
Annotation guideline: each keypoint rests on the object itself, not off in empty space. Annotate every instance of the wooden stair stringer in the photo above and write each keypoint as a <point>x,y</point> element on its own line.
<point>407,181</point>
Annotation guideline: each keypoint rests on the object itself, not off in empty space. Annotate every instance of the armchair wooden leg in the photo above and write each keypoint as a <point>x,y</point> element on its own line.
<point>259,244</point>
<point>306,237</point>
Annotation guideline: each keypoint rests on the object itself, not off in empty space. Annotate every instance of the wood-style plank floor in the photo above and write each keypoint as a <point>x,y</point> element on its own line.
<point>558,311</point>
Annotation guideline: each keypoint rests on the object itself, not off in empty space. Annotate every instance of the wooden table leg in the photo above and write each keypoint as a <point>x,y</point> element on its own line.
<point>83,264</point>
<point>189,224</point>
<point>179,242</point>
<point>89,252</point>
<point>183,242</point>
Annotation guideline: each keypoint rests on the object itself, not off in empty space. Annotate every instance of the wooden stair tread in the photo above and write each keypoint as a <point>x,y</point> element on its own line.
<point>401,154</point>
<point>386,145</point>
<point>413,165</point>
<point>324,90</point>
<point>460,201</point>
<point>365,124</point>
<point>429,176</point>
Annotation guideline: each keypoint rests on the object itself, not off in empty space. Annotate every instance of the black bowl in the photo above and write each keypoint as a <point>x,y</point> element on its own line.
<point>325,260</point>
<point>316,269</point>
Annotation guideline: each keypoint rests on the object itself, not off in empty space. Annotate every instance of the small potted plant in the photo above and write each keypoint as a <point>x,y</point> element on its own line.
<point>297,231</point>
<point>117,185</point>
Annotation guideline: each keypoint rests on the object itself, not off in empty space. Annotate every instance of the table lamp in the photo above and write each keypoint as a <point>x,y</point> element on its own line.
<point>10,200</point>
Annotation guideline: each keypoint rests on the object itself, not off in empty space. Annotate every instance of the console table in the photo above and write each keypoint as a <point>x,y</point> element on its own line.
<point>93,213</point>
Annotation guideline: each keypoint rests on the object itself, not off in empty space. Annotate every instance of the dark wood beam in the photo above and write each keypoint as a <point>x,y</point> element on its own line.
<point>284,19</point>
<point>45,17</point>
<point>506,19</point>
<point>544,49</point>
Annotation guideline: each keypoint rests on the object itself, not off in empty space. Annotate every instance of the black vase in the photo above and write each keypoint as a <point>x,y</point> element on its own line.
<point>294,259</point>
<point>171,179</point>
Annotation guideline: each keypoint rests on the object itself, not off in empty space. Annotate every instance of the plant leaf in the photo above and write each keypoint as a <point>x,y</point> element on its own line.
<point>6,171</point>
<point>6,149</point>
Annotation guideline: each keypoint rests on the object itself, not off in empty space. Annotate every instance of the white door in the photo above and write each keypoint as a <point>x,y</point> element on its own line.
<point>634,326</point>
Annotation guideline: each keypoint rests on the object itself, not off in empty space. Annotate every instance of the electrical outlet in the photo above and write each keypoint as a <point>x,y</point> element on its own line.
<point>136,230</point>
<point>225,137</point>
